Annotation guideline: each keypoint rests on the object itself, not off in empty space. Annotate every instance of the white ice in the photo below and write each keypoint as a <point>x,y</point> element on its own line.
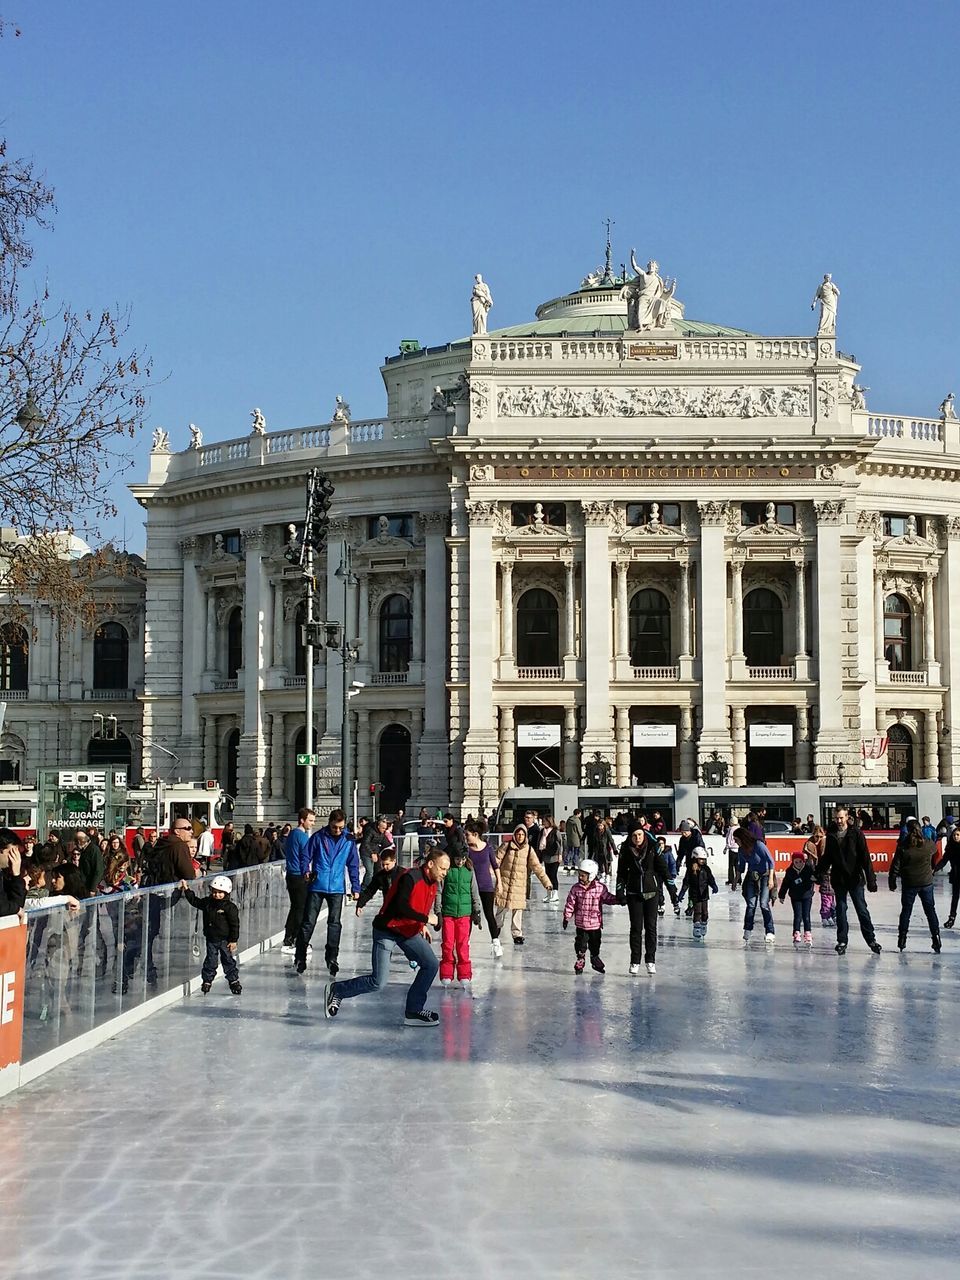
<point>744,1113</point>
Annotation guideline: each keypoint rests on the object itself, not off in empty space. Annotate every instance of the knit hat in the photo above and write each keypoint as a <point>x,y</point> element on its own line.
<point>590,867</point>
<point>685,825</point>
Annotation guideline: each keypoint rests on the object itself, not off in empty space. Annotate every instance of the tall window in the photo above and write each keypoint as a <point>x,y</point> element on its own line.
<point>234,643</point>
<point>538,629</point>
<point>762,628</point>
<point>552,513</point>
<point>396,634</point>
<point>896,633</point>
<point>14,656</point>
<point>397,526</point>
<point>668,513</point>
<point>111,646</point>
<point>649,629</point>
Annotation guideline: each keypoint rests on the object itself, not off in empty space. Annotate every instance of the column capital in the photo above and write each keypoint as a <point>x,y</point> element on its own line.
<point>480,513</point>
<point>435,522</point>
<point>597,514</point>
<point>829,512</point>
<point>714,514</point>
<point>188,547</point>
<point>254,537</point>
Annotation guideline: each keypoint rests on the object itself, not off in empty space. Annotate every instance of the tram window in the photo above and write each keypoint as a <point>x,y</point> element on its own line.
<point>195,810</point>
<point>15,818</point>
<point>223,810</point>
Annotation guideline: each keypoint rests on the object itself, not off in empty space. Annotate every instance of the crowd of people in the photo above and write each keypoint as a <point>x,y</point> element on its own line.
<point>463,879</point>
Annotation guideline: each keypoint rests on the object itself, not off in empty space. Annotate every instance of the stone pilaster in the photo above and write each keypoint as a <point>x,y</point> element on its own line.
<point>712,636</point>
<point>252,760</point>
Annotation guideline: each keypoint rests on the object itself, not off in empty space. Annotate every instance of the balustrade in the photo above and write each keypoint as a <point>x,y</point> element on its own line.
<point>772,673</point>
<point>656,673</point>
<point>539,673</point>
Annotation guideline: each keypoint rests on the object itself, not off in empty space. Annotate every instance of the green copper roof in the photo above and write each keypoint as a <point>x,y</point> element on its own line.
<point>613,325</point>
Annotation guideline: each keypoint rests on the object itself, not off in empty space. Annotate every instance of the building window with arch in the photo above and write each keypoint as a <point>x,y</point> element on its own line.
<point>234,643</point>
<point>897,621</point>
<point>14,658</point>
<point>538,629</point>
<point>111,656</point>
<point>763,628</point>
<point>396,634</point>
<point>649,621</point>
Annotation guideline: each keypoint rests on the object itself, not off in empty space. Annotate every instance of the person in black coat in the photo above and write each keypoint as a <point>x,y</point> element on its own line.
<point>847,860</point>
<point>913,865</point>
<point>951,858</point>
<point>799,881</point>
<point>641,869</point>
<point>699,883</point>
<point>373,842</point>
<point>13,887</point>
<point>383,879</point>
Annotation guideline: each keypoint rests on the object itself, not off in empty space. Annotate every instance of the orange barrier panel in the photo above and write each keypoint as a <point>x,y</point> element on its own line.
<point>13,953</point>
<point>882,845</point>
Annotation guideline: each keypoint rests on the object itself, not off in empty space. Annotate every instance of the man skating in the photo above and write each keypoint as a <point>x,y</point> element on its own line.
<point>847,860</point>
<point>332,854</point>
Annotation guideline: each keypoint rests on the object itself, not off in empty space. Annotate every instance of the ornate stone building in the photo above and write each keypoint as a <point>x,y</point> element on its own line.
<point>571,538</point>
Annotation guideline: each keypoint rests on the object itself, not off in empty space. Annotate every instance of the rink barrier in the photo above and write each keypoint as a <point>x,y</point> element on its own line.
<point>70,997</point>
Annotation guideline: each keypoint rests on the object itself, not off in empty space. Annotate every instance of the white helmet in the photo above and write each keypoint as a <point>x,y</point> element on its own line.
<point>221,884</point>
<point>590,867</point>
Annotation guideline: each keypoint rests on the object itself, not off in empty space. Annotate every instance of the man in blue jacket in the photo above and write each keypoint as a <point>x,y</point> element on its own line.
<point>331,853</point>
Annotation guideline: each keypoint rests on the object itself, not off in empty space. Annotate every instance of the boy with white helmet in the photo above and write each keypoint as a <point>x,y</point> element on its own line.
<point>585,904</point>
<point>221,928</point>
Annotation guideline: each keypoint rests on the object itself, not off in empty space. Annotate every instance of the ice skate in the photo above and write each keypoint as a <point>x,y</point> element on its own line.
<point>634,970</point>
<point>236,988</point>
<point>875,947</point>
<point>466,986</point>
<point>598,964</point>
<point>936,943</point>
<point>902,942</point>
<point>746,939</point>
<point>808,938</point>
<point>797,937</point>
<point>205,987</point>
<point>770,939</point>
<point>841,948</point>
<point>446,982</point>
<point>497,947</point>
<point>651,967</point>
<point>579,964</point>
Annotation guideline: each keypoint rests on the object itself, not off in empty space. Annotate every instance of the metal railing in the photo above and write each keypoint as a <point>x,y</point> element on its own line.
<point>84,969</point>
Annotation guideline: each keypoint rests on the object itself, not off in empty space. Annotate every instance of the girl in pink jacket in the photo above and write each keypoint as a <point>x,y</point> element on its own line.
<point>585,904</point>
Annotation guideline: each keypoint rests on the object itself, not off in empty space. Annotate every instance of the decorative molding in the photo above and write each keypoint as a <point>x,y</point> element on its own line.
<point>479,398</point>
<point>229,600</point>
<point>597,514</point>
<point>479,473</point>
<point>389,585</point>
<point>188,547</point>
<point>952,526</point>
<point>743,401</point>
<point>714,514</point>
<point>830,512</point>
<point>869,522</point>
<point>254,537</point>
<point>435,521</point>
<point>481,514</point>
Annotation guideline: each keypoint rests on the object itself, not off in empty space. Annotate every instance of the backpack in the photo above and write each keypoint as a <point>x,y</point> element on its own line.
<point>159,866</point>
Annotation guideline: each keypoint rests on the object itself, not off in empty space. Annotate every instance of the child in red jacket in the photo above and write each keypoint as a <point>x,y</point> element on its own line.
<point>585,904</point>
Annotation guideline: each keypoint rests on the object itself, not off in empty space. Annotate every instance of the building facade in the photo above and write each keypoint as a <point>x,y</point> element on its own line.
<point>573,540</point>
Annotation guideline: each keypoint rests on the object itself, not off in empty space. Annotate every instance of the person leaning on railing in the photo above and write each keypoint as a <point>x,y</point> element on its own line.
<point>13,888</point>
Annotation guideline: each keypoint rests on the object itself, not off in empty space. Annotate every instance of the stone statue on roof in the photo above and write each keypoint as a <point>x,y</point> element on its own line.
<point>196,436</point>
<point>827,295</point>
<point>161,441</point>
<point>259,427</point>
<point>341,411</point>
<point>649,297</point>
<point>947,411</point>
<point>481,300</point>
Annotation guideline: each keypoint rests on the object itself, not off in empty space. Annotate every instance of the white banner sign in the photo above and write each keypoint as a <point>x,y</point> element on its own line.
<point>654,735</point>
<point>771,735</point>
<point>538,735</point>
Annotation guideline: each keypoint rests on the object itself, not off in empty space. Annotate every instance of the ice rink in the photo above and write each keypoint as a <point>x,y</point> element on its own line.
<point>744,1113</point>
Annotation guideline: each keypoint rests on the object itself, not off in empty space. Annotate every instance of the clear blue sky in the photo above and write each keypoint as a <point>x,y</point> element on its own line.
<point>282,192</point>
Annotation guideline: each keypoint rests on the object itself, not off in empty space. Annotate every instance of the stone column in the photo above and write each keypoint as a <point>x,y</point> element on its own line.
<point>365,768</point>
<point>369,656</point>
<point>931,747</point>
<point>417,606</point>
<point>570,765</point>
<point>949,595</point>
<point>279,615</point>
<point>191,647</point>
<point>508,758</point>
<point>684,609</point>
<point>882,666</point>
<point>801,647</point>
<point>506,610</point>
<point>433,762</point>
<point>739,746</point>
<point>930,662</point>
<point>596,629</point>
<point>278,757</point>
<point>210,747</point>
<point>832,739</point>
<point>623,626</point>
<point>736,567</point>
<point>481,589</point>
<point>688,763</point>
<point>712,635</point>
<point>211,632</point>
<point>622,732</point>
<point>416,732</point>
<point>328,746</point>
<point>252,757</point>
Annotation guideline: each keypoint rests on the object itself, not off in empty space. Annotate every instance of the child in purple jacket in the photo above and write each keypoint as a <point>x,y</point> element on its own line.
<point>585,904</point>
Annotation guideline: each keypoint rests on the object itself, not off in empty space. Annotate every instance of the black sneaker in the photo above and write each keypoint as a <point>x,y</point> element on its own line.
<point>301,966</point>
<point>331,1003</point>
<point>935,940</point>
<point>841,948</point>
<point>333,967</point>
<point>236,988</point>
<point>425,1018</point>
<point>875,947</point>
<point>205,987</point>
<point>518,942</point>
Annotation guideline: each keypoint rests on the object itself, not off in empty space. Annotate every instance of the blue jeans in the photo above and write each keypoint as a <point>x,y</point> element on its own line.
<point>571,856</point>
<point>752,894</point>
<point>801,913</point>
<point>416,948</point>
<point>908,897</point>
<point>858,897</point>
<point>217,950</point>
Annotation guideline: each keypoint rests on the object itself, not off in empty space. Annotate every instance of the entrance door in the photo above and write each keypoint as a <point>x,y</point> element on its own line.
<point>652,766</point>
<point>765,764</point>
<point>394,770</point>
<point>899,754</point>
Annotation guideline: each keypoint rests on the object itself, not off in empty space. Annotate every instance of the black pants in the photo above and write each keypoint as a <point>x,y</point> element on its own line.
<point>859,900</point>
<point>217,949</point>
<point>297,890</point>
<point>733,870</point>
<point>155,905</point>
<point>369,869</point>
<point>588,938</point>
<point>315,901</point>
<point>643,928</point>
<point>553,873</point>
<point>489,912</point>
<point>954,897</point>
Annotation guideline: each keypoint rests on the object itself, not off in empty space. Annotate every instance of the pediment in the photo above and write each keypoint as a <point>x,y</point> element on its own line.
<point>385,542</point>
<point>767,532</point>
<point>533,532</point>
<point>911,544</point>
<point>646,533</point>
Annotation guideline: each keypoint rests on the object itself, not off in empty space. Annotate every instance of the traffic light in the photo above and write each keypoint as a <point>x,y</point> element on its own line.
<point>320,491</point>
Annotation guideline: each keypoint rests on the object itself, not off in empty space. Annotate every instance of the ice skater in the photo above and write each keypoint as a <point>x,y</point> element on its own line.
<point>913,865</point>
<point>755,866</point>
<point>847,860</point>
<point>460,910</point>
<point>517,861</point>
<point>383,879</point>
<point>404,921</point>
<point>331,855</point>
<point>642,871</point>
<point>799,883</point>
<point>584,904</point>
<point>698,884</point>
<point>951,858</point>
<point>221,929</point>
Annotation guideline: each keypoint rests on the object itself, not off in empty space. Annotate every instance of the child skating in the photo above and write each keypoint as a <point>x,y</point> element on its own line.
<point>698,884</point>
<point>460,910</point>
<point>585,905</point>
<point>828,903</point>
<point>799,881</point>
<point>221,928</point>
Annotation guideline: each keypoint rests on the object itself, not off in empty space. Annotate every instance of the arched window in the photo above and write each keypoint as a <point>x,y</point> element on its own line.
<point>111,646</point>
<point>118,750</point>
<point>234,644</point>
<point>299,648</point>
<point>896,633</point>
<point>538,629</point>
<point>762,628</point>
<point>649,629</point>
<point>14,658</point>
<point>393,767</point>
<point>396,634</point>
<point>899,754</point>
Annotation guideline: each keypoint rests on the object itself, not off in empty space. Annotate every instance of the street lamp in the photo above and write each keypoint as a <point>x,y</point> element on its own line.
<point>839,773</point>
<point>481,774</point>
<point>28,417</point>
<point>348,656</point>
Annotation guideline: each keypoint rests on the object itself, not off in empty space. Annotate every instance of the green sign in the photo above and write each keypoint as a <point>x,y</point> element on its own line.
<point>305,759</point>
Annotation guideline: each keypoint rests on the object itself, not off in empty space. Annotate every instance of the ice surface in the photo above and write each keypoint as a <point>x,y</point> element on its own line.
<point>743,1113</point>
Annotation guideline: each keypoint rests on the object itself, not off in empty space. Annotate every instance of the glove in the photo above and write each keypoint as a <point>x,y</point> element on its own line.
<point>476,920</point>
<point>714,889</point>
<point>565,922</point>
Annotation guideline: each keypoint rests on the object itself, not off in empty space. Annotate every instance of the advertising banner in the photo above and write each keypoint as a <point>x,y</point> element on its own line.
<point>654,735</point>
<point>13,950</point>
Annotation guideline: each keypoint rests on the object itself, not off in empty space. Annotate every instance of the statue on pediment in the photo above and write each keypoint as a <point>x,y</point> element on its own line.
<point>259,426</point>
<point>649,297</point>
<point>827,295</point>
<point>481,300</point>
<point>948,412</point>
